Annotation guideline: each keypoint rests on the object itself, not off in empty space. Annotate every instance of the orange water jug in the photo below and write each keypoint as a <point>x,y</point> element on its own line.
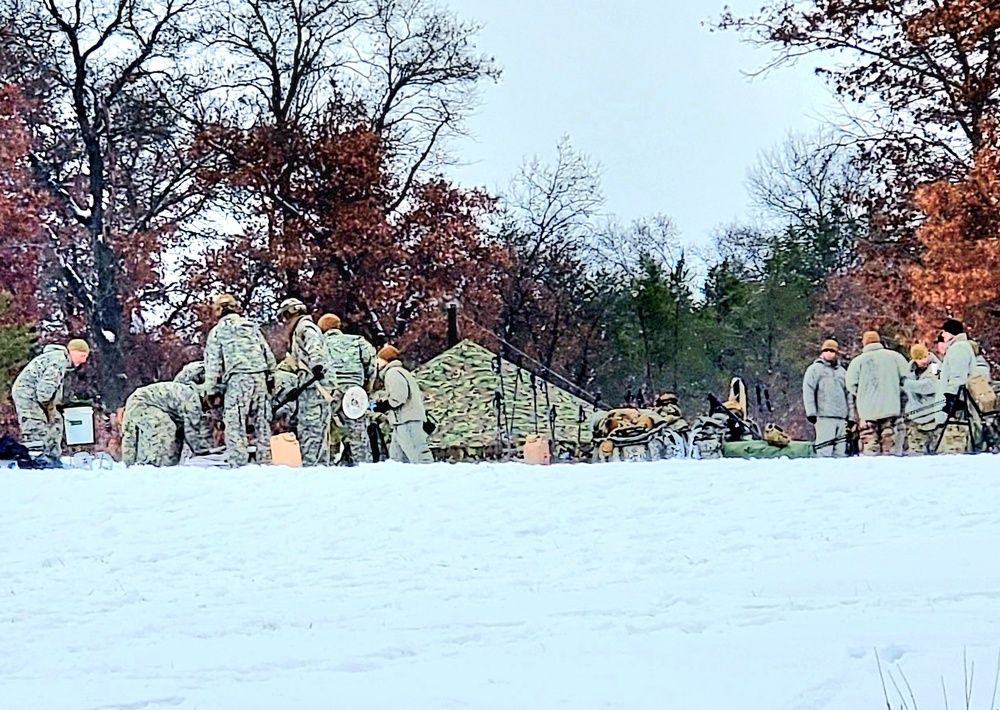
<point>536,450</point>
<point>285,450</point>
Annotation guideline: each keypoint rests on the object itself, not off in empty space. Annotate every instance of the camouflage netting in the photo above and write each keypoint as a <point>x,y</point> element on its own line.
<point>459,387</point>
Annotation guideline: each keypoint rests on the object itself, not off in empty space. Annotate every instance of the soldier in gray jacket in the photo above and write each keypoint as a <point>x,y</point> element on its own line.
<point>875,379</point>
<point>959,359</point>
<point>403,401</point>
<point>958,366</point>
<point>824,394</point>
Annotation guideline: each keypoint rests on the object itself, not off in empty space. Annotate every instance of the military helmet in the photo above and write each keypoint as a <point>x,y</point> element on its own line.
<point>291,307</point>
<point>224,303</point>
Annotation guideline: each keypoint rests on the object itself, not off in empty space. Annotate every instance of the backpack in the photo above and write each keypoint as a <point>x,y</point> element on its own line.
<point>11,450</point>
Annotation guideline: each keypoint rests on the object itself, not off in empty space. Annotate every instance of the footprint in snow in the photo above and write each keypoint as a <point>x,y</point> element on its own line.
<point>892,653</point>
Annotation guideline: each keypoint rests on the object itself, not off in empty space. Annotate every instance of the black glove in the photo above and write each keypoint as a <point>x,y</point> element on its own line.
<point>382,407</point>
<point>949,402</point>
<point>318,372</point>
<point>812,420</point>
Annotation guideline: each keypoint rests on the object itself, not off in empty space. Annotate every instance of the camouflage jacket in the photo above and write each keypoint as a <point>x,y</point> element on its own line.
<point>182,403</point>
<point>192,374</point>
<point>351,357</point>
<point>235,346</point>
<point>42,379</point>
<point>307,350</point>
<point>284,383</point>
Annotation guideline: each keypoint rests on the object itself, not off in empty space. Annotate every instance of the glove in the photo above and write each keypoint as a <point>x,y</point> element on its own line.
<point>949,402</point>
<point>812,420</point>
<point>382,407</point>
<point>318,372</point>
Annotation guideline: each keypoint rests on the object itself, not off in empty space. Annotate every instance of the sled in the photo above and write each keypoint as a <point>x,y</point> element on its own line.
<point>214,460</point>
<point>639,443</point>
<point>763,450</point>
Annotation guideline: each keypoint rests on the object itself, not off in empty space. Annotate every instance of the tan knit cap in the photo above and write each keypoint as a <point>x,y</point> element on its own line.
<point>328,321</point>
<point>870,338</point>
<point>388,353</point>
<point>78,345</point>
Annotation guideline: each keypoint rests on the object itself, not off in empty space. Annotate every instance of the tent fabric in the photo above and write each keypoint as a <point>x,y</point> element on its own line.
<point>460,387</point>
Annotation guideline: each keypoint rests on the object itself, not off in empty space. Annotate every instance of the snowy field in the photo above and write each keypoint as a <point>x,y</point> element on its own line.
<point>687,585</point>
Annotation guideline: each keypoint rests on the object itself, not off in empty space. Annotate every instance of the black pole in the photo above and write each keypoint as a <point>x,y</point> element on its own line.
<point>452,325</point>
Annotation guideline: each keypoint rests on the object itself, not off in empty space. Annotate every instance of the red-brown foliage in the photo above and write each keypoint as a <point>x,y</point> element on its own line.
<point>20,210</point>
<point>320,222</point>
<point>959,270</point>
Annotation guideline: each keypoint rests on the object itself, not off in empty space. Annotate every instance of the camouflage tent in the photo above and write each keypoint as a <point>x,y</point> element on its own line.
<point>460,389</point>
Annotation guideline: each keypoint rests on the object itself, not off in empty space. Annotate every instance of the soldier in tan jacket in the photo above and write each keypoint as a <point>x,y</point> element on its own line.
<point>403,401</point>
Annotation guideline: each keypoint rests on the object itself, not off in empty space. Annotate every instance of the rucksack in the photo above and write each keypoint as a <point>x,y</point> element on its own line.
<point>11,450</point>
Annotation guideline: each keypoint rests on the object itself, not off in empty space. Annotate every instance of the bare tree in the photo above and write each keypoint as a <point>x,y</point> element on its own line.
<point>625,247</point>
<point>110,158</point>
<point>547,226</point>
<point>275,60</point>
<point>420,69</point>
<point>813,187</point>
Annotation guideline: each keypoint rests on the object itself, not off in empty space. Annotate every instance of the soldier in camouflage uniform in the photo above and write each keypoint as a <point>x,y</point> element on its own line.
<point>192,374</point>
<point>37,396</point>
<point>239,360</point>
<point>352,359</point>
<point>284,411</point>
<point>161,417</point>
<point>924,403</point>
<point>308,354</point>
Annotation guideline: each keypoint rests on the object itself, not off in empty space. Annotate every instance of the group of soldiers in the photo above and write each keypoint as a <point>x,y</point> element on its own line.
<point>240,379</point>
<point>899,405</point>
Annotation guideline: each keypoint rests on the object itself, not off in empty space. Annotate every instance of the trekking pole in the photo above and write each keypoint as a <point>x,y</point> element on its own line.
<point>498,405</point>
<point>534,397</point>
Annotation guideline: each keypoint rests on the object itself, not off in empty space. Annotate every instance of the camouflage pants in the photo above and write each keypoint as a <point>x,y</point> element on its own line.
<point>313,428</point>
<point>40,430</point>
<point>409,444</point>
<point>879,437</point>
<point>957,440</point>
<point>247,401</point>
<point>921,439</point>
<point>357,446</point>
<point>150,437</point>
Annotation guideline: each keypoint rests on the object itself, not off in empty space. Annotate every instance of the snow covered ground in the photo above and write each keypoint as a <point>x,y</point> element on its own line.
<point>730,585</point>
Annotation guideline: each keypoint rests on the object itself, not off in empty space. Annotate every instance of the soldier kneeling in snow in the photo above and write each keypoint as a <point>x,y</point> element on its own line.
<point>158,420</point>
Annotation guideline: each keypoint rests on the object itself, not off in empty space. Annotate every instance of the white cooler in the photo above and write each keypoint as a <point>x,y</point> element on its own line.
<point>79,425</point>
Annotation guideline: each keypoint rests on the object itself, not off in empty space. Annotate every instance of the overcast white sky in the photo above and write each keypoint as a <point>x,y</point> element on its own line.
<point>642,88</point>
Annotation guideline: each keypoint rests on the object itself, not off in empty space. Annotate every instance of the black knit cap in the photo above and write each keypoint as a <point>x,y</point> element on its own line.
<point>953,327</point>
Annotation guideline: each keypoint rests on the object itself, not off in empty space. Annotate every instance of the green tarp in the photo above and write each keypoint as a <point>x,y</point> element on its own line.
<point>460,387</point>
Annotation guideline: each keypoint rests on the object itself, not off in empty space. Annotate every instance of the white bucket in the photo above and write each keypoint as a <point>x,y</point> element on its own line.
<point>79,425</point>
